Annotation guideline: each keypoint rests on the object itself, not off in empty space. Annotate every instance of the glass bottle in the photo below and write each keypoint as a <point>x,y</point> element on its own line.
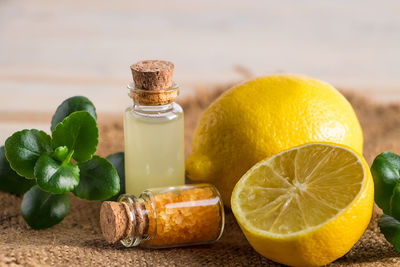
<point>153,131</point>
<point>165,217</point>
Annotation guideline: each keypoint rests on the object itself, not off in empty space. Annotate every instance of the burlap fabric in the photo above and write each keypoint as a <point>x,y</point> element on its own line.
<point>77,241</point>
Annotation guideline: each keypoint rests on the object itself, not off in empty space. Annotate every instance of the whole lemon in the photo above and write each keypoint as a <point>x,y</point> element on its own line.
<point>265,116</point>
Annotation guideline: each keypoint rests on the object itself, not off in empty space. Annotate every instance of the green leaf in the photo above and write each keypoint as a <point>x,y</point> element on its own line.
<point>24,148</point>
<point>69,106</point>
<point>42,210</point>
<point>79,133</point>
<point>98,180</point>
<point>395,202</point>
<point>10,181</point>
<point>118,161</point>
<point>386,173</point>
<point>55,177</point>
<point>390,228</point>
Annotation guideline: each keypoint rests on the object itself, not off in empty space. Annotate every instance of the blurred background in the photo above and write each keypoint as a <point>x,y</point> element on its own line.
<point>51,50</point>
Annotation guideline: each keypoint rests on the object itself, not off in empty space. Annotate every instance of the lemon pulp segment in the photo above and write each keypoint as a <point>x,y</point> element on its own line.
<point>299,189</point>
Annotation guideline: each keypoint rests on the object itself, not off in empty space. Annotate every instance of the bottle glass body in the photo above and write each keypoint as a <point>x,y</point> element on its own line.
<point>175,216</point>
<point>154,147</point>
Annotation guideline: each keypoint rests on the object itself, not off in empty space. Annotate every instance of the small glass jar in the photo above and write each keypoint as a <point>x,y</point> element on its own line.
<point>167,217</point>
<point>154,141</point>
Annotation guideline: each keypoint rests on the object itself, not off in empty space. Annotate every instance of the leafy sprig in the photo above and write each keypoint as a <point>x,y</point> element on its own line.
<point>386,173</point>
<point>48,167</point>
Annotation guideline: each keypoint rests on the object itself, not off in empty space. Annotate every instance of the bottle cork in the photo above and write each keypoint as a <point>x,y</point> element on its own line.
<point>153,82</point>
<point>153,74</point>
<point>118,222</point>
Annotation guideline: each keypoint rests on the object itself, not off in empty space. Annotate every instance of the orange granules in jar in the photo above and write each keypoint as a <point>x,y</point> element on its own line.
<point>183,217</point>
<point>165,217</point>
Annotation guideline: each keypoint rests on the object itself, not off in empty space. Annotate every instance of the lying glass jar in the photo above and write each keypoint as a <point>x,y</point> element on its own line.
<point>165,217</point>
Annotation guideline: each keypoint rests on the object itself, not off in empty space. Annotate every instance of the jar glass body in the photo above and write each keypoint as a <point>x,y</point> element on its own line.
<point>154,147</point>
<point>176,216</point>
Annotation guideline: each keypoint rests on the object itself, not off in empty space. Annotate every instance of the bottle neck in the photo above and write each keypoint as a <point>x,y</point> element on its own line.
<point>142,219</point>
<point>153,98</point>
<point>153,109</point>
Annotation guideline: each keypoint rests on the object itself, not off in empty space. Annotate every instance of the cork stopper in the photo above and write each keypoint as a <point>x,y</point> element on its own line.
<point>153,83</point>
<point>114,221</point>
<point>118,222</point>
<point>153,74</point>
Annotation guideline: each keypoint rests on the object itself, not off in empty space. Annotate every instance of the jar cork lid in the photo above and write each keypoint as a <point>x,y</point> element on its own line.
<point>119,222</point>
<point>153,82</point>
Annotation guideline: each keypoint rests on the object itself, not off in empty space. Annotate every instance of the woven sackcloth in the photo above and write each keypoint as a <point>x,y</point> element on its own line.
<point>77,241</point>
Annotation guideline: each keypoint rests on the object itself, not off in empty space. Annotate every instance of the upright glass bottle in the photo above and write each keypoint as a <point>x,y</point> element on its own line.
<point>153,129</point>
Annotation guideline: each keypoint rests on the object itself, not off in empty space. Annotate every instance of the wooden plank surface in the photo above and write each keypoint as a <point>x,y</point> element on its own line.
<point>50,50</point>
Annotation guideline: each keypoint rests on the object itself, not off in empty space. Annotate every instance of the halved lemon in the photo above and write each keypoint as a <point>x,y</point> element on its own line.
<point>306,206</point>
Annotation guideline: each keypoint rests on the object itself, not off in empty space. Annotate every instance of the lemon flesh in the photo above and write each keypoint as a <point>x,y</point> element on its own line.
<point>306,206</point>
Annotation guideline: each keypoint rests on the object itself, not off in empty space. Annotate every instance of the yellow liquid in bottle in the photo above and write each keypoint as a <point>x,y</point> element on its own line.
<point>154,151</point>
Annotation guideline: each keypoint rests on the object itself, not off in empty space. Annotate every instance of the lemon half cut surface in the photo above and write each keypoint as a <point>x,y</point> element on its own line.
<point>306,206</point>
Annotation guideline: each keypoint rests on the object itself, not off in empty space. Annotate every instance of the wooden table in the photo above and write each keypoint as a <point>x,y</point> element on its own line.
<point>51,50</point>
